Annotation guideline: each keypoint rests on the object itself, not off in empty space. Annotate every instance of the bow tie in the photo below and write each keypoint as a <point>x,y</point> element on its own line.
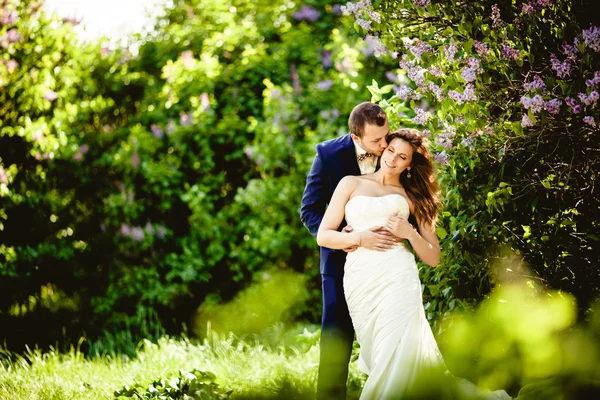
<point>364,156</point>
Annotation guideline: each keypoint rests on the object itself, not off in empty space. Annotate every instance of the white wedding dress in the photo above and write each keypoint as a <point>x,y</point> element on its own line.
<point>383,292</point>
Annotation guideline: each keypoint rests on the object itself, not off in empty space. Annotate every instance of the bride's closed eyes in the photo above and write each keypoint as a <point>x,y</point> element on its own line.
<point>391,150</point>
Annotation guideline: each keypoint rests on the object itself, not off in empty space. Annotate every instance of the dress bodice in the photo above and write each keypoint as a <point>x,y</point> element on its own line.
<point>364,212</point>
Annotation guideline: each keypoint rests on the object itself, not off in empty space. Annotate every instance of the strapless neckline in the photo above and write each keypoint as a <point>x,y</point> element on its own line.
<point>378,197</point>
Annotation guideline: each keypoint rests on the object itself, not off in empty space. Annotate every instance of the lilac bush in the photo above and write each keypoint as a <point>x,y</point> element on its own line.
<point>514,86</point>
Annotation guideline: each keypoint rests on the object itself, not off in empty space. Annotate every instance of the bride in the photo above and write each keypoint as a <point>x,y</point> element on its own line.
<point>382,287</point>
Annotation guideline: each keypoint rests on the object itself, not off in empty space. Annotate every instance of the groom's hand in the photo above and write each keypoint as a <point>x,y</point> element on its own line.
<point>386,232</point>
<point>350,249</point>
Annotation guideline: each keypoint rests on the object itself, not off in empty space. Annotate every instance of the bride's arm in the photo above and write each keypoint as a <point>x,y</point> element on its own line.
<point>328,235</point>
<point>425,243</point>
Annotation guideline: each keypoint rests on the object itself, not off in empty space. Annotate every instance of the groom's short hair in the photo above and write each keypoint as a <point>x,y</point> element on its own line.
<point>363,114</point>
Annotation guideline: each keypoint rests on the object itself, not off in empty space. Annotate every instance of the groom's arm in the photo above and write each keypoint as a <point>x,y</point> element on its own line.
<point>315,197</point>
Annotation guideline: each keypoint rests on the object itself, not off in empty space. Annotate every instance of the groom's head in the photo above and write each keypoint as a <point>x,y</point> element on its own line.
<point>369,126</point>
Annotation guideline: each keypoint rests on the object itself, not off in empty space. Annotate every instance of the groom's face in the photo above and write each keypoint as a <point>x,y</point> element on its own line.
<point>373,138</point>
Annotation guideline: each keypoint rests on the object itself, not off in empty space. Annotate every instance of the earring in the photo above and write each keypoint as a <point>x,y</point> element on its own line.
<point>408,175</point>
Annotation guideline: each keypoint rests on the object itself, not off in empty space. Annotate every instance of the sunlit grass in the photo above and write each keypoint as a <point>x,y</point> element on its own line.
<point>256,367</point>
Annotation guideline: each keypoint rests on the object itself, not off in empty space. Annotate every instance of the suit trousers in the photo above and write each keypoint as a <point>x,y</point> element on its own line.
<point>337,335</point>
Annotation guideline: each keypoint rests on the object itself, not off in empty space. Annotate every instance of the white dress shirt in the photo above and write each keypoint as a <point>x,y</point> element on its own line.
<point>369,164</point>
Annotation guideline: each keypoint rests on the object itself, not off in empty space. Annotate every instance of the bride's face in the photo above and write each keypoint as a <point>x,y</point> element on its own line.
<point>396,157</point>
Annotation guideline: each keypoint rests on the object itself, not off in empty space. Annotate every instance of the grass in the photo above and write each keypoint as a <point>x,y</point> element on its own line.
<point>278,364</point>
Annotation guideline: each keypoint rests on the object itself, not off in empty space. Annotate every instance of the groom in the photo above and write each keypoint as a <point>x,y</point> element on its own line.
<point>356,153</point>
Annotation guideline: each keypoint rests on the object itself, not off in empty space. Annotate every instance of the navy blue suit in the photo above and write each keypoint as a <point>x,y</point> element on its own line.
<point>335,159</point>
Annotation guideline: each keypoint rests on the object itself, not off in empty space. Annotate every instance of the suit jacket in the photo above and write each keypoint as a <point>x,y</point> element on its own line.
<point>335,159</point>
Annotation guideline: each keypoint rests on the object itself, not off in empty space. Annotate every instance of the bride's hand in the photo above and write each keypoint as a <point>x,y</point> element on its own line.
<point>377,238</point>
<point>348,229</point>
<point>399,226</point>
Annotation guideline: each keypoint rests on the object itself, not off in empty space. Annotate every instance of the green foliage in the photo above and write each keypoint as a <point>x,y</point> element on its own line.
<point>157,178</point>
<point>196,385</point>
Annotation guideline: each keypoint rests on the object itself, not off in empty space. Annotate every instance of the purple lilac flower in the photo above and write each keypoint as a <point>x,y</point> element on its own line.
<point>368,49</point>
<point>553,106</point>
<point>366,25</point>
<point>570,50</point>
<point>125,230</point>
<point>156,131</point>
<point>442,158</point>
<point>438,91</point>
<point>337,10</point>
<point>591,37</point>
<point>392,77</point>
<point>3,176</point>
<point>594,81</point>
<point>419,48</point>
<point>469,93</point>
<point>135,160</point>
<point>454,95</point>
<point>379,49</point>
<point>496,19</point>
<point>204,102</point>
<point>326,59</point>
<point>450,51</point>
<point>575,108</point>
<point>435,71</point>
<point>421,116</point>
<point>535,104</point>
<point>589,100</point>
<point>375,16</point>
<point>527,9</point>
<point>149,228</point>
<point>481,48</point>
<point>589,120</point>
<point>307,13</point>
<point>137,234</point>
<point>468,142</point>
<point>186,119</point>
<point>249,151</point>
<point>446,138</point>
<point>325,85</point>
<point>404,93</point>
<point>160,231</point>
<point>563,68</point>
<point>474,63</point>
<point>468,74</point>
<point>335,113</point>
<point>526,121</point>
<point>422,3</point>
<point>13,36</point>
<point>417,75</point>
<point>509,52</point>
<point>426,133</point>
<point>11,66</point>
<point>544,3</point>
<point>536,84</point>
<point>406,63</point>
<point>170,126</point>
<point>349,8</point>
<point>8,17</point>
<point>50,95</point>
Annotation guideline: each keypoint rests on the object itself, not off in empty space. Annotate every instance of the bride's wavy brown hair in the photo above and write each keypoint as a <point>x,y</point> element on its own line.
<point>422,187</point>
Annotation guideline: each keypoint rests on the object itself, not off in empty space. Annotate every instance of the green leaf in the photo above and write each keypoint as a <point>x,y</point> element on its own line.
<point>441,232</point>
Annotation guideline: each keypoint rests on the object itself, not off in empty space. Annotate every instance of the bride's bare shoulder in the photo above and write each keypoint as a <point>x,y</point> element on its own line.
<point>349,183</point>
